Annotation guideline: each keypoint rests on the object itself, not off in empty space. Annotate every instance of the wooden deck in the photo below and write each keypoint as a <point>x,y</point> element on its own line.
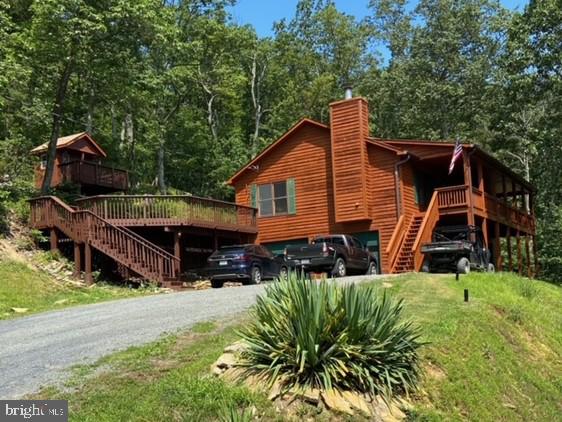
<point>172,210</point>
<point>105,222</point>
<point>456,199</point>
<point>88,173</point>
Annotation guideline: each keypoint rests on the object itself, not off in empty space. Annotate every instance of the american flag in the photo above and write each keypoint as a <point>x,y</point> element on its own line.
<point>456,154</point>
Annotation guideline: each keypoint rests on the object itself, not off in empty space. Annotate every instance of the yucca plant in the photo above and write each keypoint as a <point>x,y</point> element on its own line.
<point>324,335</point>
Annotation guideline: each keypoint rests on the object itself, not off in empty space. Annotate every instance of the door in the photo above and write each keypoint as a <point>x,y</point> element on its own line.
<point>268,263</point>
<point>361,255</point>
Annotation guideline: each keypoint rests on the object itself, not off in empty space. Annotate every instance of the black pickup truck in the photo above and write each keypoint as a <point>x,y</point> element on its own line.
<point>457,249</point>
<point>337,254</point>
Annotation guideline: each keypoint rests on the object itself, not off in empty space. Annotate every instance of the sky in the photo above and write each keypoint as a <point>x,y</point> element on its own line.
<point>261,14</point>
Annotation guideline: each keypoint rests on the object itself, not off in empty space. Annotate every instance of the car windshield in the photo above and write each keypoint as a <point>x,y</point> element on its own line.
<point>335,240</point>
<point>450,235</point>
<point>234,250</point>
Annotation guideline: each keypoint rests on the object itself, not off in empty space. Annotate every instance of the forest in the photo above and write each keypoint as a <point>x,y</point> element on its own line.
<point>182,96</point>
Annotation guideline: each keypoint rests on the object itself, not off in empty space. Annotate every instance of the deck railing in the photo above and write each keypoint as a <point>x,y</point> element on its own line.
<point>121,244</point>
<point>453,197</point>
<point>88,173</point>
<point>162,210</point>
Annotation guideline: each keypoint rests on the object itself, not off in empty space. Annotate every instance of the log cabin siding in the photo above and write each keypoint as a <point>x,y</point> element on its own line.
<point>304,156</point>
<point>382,196</point>
<point>349,122</point>
<point>409,204</point>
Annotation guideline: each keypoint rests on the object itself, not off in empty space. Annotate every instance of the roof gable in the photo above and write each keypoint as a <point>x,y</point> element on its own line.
<point>295,128</point>
<point>68,141</point>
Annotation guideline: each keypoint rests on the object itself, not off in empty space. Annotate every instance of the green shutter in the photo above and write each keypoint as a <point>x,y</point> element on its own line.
<point>291,197</point>
<point>254,195</point>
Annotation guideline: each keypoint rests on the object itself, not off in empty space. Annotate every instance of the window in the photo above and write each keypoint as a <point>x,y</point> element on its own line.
<point>43,164</point>
<point>273,199</point>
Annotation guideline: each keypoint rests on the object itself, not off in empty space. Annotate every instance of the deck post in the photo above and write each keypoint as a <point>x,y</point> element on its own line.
<point>177,250</point>
<point>468,182</point>
<point>497,247</point>
<point>519,253</point>
<point>77,260</point>
<point>528,253</point>
<point>215,240</point>
<point>509,255</point>
<point>88,264</point>
<point>485,231</point>
<point>54,239</point>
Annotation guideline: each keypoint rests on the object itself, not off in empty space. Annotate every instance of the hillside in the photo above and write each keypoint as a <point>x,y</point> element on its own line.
<point>493,358</point>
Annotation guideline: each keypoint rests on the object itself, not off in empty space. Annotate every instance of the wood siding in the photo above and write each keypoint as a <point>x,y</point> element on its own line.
<point>382,196</point>
<point>349,122</point>
<point>304,156</point>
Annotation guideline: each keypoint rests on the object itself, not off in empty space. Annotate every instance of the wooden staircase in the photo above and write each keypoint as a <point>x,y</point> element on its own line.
<point>405,258</point>
<point>124,246</point>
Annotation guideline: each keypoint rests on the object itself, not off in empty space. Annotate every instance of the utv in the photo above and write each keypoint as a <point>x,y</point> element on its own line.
<point>457,249</point>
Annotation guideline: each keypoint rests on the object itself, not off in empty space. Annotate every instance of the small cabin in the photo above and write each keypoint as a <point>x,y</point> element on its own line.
<point>79,160</point>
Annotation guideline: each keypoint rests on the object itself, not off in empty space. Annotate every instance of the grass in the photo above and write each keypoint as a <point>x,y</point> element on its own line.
<point>496,357</point>
<point>167,380</point>
<point>24,287</point>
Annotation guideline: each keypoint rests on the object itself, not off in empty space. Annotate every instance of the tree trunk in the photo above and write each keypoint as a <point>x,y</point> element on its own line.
<point>58,112</point>
<point>161,180</point>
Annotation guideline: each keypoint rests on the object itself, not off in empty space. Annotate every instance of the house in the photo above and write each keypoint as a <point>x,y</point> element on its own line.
<point>79,160</point>
<point>390,193</point>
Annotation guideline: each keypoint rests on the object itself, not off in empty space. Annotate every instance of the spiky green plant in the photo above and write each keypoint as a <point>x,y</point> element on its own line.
<point>324,335</point>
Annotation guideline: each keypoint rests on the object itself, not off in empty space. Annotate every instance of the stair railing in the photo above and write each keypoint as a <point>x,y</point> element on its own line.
<point>119,243</point>
<point>395,242</point>
<point>426,230</point>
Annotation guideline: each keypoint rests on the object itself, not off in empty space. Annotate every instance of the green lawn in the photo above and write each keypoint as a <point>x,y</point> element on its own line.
<point>23,287</point>
<point>496,357</point>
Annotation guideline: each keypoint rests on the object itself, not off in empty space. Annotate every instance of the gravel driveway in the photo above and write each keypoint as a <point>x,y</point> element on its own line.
<point>36,350</point>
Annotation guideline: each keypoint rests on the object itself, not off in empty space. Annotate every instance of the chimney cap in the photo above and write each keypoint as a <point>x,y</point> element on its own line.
<point>348,89</point>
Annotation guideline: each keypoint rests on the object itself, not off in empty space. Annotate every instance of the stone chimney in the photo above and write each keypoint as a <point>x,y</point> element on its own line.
<point>349,126</point>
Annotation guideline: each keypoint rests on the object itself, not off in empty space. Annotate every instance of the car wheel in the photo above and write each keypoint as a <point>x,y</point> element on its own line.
<point>491,268</point>
<point>372,269</point>
<point>340,269</point>
<point>256,275</point>
<point>217,284</point>
<point>463,266</point>
<point>425,266</point>
<point>283,273</point>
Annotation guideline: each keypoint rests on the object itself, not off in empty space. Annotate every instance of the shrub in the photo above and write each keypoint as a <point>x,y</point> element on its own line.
<point>323,335</point>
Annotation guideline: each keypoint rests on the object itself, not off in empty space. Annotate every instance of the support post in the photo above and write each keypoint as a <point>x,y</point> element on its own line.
<point>215,240</point>
<point>509,255</point>
<point>468,182</point>
<point>519,254</point>
<point>77,260</point>
<point>88,264</point>
<point>497,247</point>
<point>528,253</point>
<point>485,231</point>
<point>54,238</point>
<point>177,250</point>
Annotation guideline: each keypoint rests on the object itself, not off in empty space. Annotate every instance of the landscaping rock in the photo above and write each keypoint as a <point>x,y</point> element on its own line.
<point>358,402</point>
<point>334,400</point>
<point>237,347</point>
<point>20,310</point>
<point>226,360</point>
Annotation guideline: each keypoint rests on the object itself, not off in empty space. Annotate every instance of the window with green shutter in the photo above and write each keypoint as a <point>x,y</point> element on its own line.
<point>276,198</point>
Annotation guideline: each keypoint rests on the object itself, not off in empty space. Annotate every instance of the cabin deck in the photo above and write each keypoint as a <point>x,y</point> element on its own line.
<point>154,237</point>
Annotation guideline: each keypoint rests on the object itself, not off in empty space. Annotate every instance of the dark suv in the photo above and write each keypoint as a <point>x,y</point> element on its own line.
<point>249,264</point>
